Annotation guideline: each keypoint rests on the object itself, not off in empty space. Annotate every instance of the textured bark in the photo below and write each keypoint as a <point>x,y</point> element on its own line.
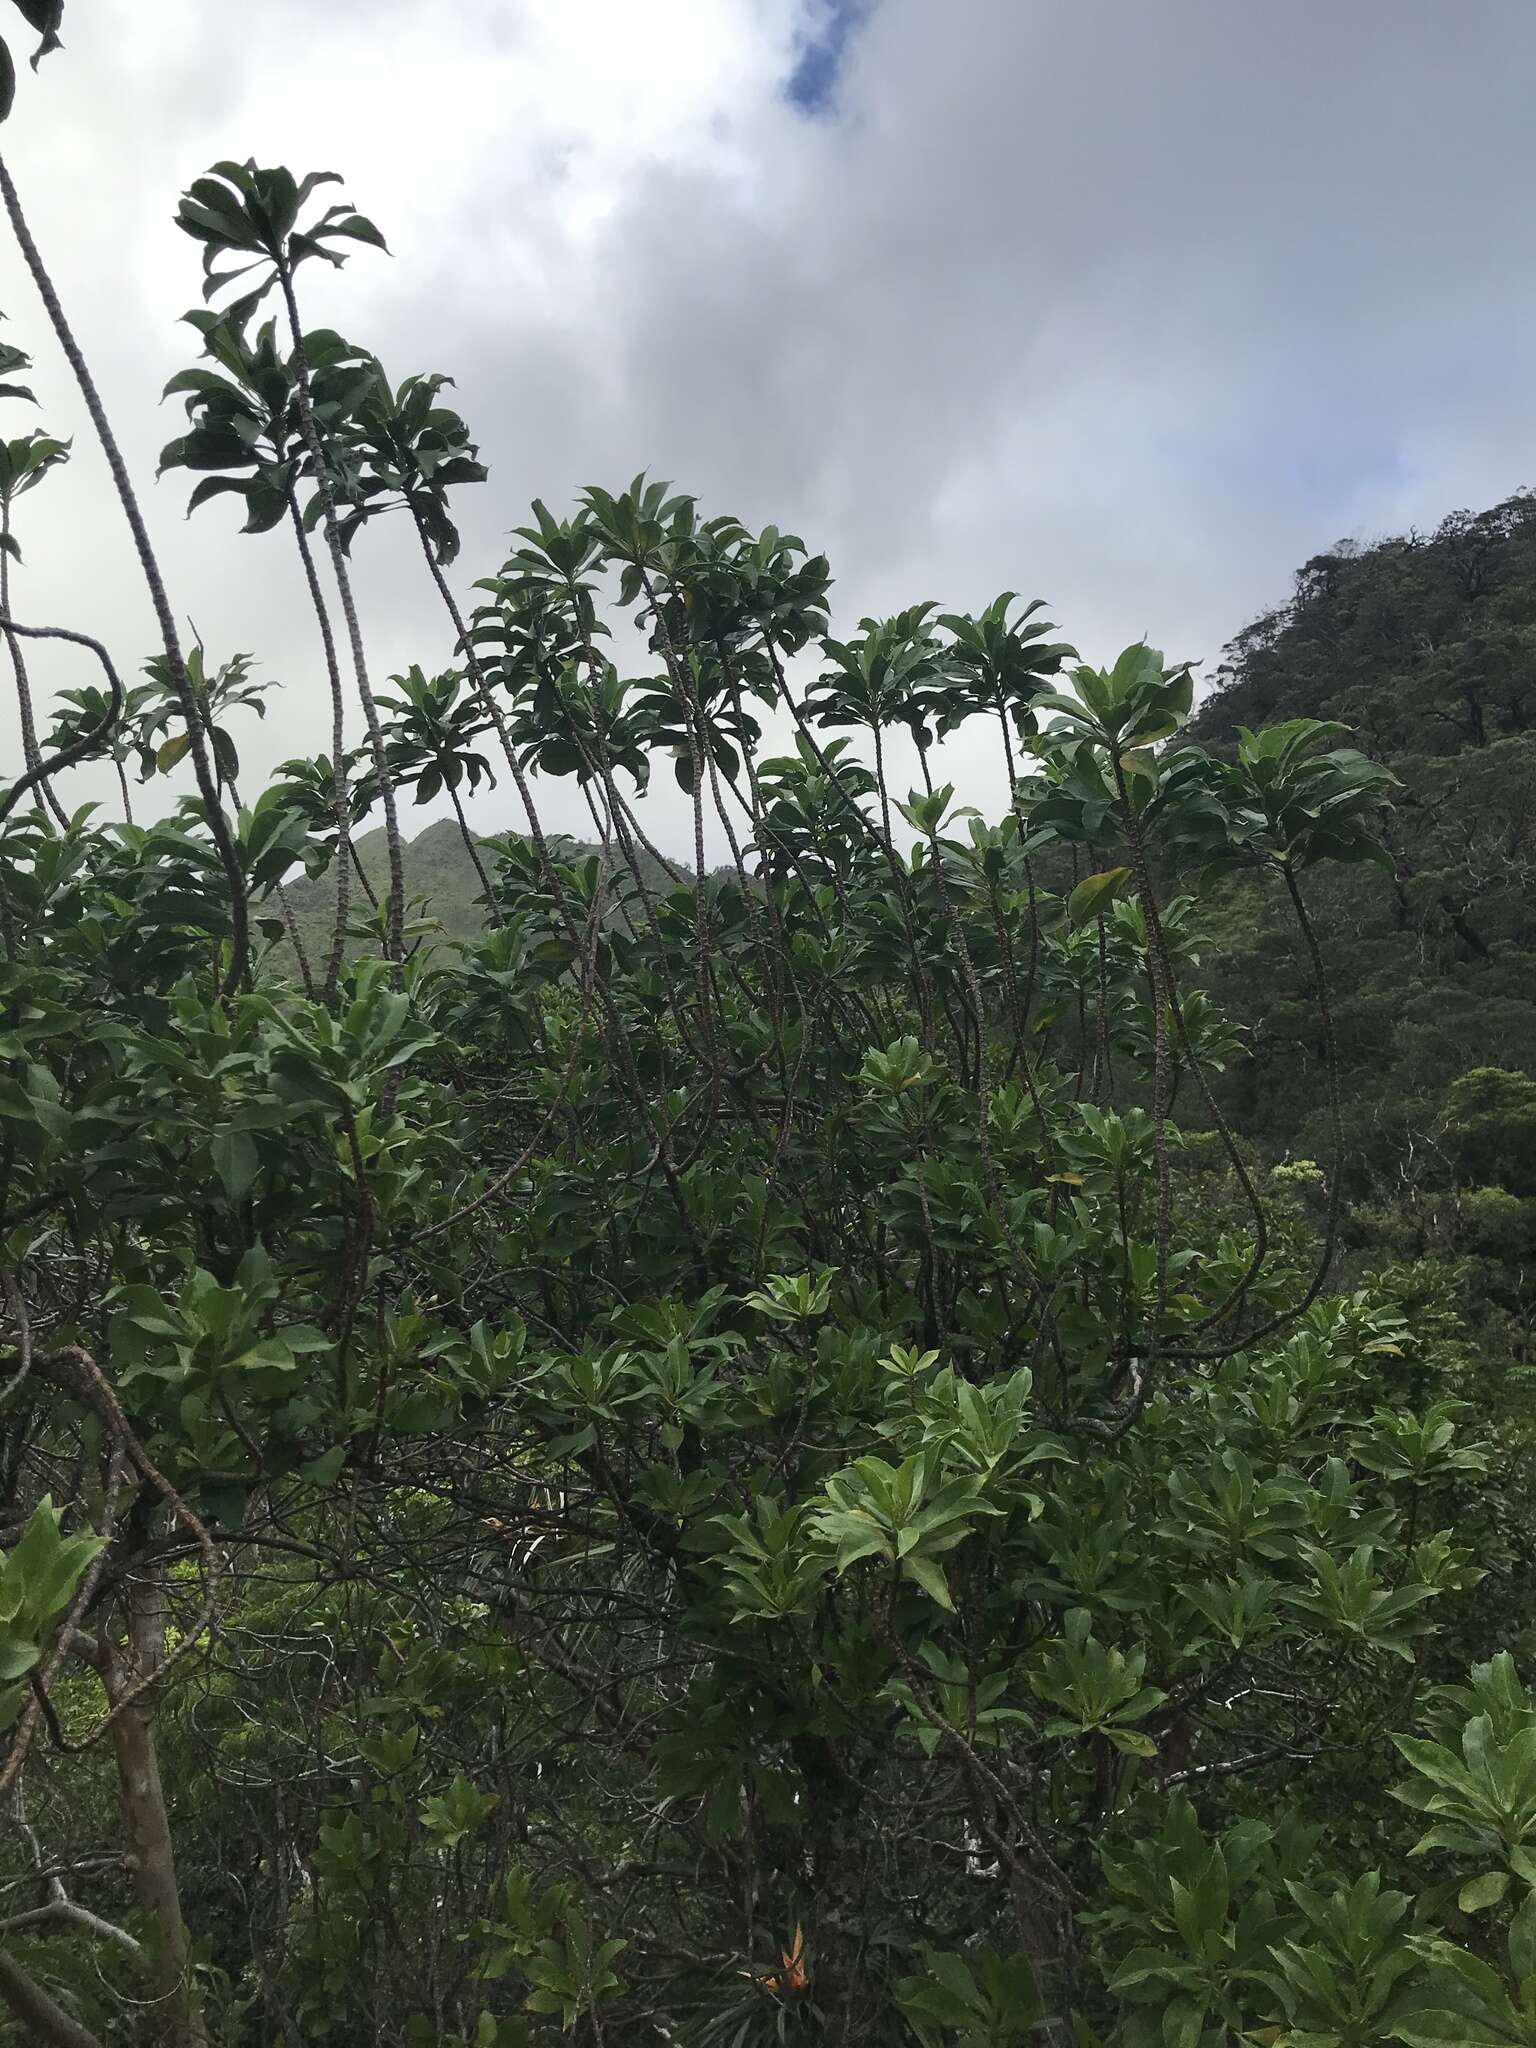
<point>218,824</point>
<point>345,854</point>
<point>42,2016</point>
<point>31,753</point>
<point>395,944</point>
<point>145,1820</point>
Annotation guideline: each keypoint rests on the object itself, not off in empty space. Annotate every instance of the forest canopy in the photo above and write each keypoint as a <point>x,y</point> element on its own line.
<point>817,1451</point>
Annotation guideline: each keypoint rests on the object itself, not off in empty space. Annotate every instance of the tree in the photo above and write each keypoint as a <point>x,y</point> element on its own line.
<point>430,743</point>
<point>713,1463</point>
<point>240,210</point>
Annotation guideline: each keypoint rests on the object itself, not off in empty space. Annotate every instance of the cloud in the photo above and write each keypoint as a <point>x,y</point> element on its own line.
<point>1130,308</point>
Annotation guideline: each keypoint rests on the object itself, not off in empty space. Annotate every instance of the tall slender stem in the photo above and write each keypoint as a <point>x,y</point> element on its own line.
<point>395,942</point>
<point>482,689</point>
<point>342,802</point>
<point>473,851</point>
<point>181,682</point>
<point>30,751</point>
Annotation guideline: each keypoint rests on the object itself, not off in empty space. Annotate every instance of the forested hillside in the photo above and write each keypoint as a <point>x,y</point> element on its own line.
<point>918,1442</point>
<point>1423,646</point>
<point>443,890</point>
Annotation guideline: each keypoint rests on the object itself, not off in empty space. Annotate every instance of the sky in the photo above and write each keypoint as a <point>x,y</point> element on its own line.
<point>1129,307</point>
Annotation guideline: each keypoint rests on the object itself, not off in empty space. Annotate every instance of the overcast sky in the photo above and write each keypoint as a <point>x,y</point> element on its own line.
<point>1129,306</point>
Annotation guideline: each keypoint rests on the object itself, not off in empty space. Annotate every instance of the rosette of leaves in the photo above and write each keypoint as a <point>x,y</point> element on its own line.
<point>430,738</point>
<point>1294,797</point>
<point>246,210</point>
<point>894,673</point>
<point>24,463</point>
<point>402,448</point>
<point>999,663</point>
<point>245,430</point>
<point>219,691</point>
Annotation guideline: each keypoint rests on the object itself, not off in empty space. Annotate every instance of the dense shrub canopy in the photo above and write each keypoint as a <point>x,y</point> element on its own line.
<point>708,1463</point>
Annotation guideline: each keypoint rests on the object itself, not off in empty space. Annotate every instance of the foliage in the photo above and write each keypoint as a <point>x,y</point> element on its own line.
<point>706,1461</point>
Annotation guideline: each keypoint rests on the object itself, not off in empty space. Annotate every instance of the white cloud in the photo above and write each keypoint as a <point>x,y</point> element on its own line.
<point>1130,307</point>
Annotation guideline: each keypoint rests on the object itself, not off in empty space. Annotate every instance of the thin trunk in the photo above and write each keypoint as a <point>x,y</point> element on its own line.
<point>147,1824</point>
<point>1335,1106</point>
<point>43,2017</point>
<point>698,743</point>
<point>488,703</point>
<point>1008,761</point>
<point>191,712</point>
<point>291,925</point>
<point>30,751</point>
<point>395,943</point>
<point>362,875</point>
<point>885,801</point>
<point>122,783</point>
<point>473,851</point>
<point>343,807</point>
<point>1160,973</point>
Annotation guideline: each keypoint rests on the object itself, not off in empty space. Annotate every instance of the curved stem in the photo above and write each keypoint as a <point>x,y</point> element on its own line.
<point>291,925</point>
<point>342,807</point>
<point>86,743</point>
<point>181,682</point>
<point>1160,974</point>
<point>30,753</point>
<point>1008,760</point>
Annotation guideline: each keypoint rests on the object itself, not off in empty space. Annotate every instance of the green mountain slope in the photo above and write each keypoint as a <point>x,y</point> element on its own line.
<point>1425,646</point>
<point>440,885</point>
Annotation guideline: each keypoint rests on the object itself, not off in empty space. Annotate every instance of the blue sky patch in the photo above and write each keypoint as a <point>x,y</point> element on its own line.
<point>812,85</point>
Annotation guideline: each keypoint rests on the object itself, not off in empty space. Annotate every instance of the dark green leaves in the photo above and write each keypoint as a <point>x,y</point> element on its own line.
<point>45,17</point>
<point>245,211</point>
<point>12,360</point>
<point>26,461</point>
<point>37,1581</point>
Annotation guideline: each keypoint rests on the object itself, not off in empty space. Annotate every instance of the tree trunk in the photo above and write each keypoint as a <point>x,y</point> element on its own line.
<point>468,837</point>
<point>44,2019</point>
<point>191,713</point>
<point>146,1823</point>
<point>395,943</point>
<point>30,751</point>
<point>343,810</point>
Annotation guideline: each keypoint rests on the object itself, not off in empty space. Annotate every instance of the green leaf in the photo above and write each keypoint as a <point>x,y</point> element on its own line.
<point>1094,894</point>
<point>1481,1892</point>
<point>929,1577</point>
<point>235,1161</point>
<point>1522,1941</point>
<point>173,751</point>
